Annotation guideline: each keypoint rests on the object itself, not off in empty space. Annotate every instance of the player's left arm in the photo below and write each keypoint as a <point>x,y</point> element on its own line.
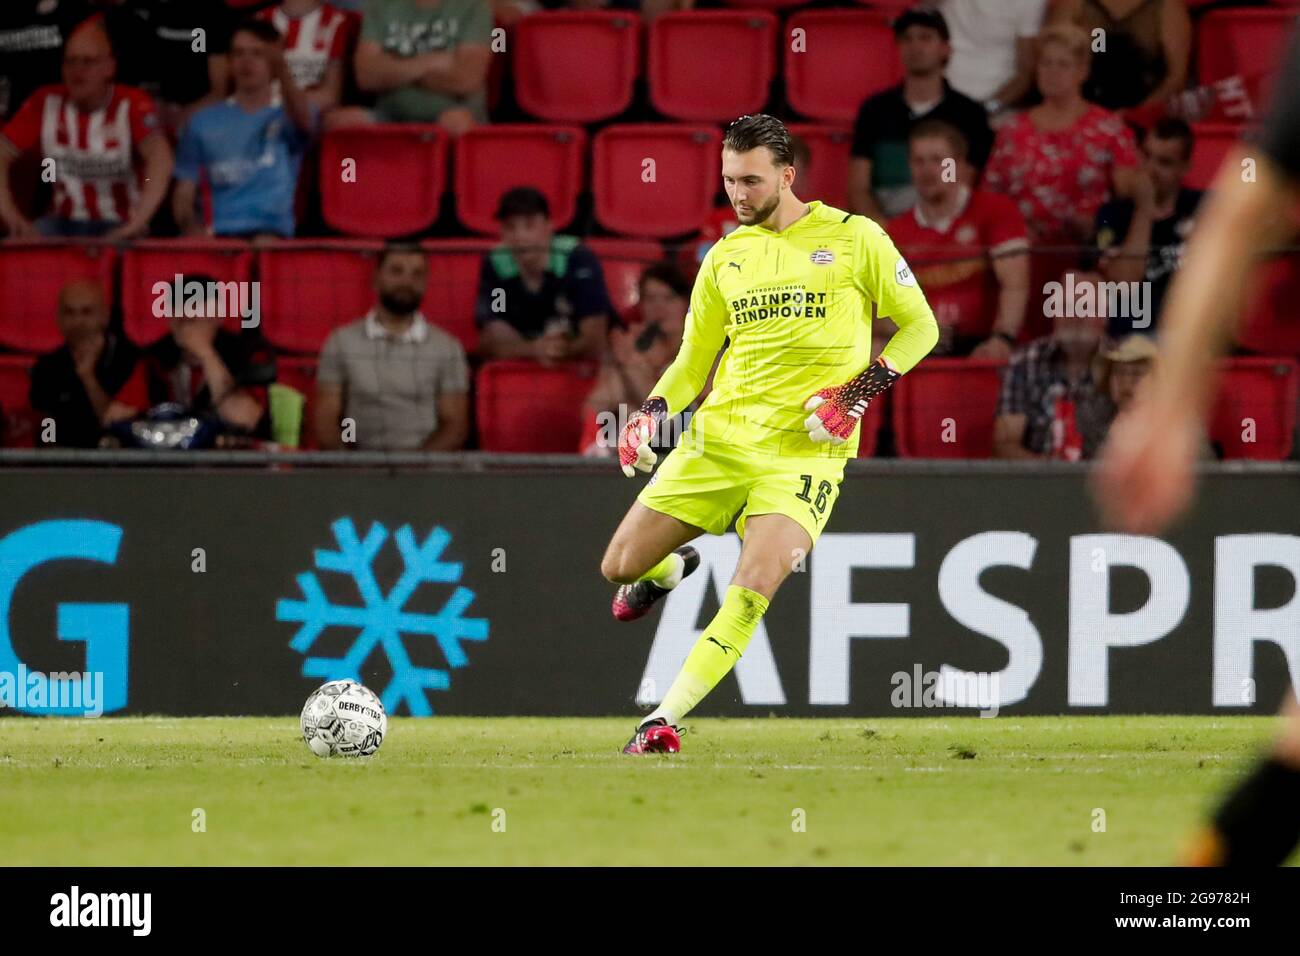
<point>885,278</point>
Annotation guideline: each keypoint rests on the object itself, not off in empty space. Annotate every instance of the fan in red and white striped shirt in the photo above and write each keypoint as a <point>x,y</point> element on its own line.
<point>317,39</point>
<point>100,136</point>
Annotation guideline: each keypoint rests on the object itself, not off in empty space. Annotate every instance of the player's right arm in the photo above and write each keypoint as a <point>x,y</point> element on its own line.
<point>683,380</point>
<point>1146,475</point>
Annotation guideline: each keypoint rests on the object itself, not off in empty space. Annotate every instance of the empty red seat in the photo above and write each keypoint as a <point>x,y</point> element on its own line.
<point>493,159</point>
<point>576,66</point>
<point>18,427</point>
<point>453,286</point>
<point>31,275</point>
<point>513,396</point>
<point>827,175</point>
<point>623,261</point>
<point>944,408</point>
<point>382,181</point>
<point>1268,324</point>
<point>1254,414</point>
<point>711,65</point>
<point>1212,143</point>
<point>841,58</point>
<point>311,287</point>
<point>300,373</point>
<point>149,265</point>
<point>655,179</point>
<point>1241,42</point>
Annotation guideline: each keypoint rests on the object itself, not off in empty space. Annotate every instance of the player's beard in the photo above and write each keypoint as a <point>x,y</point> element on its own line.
<point>762,214</point>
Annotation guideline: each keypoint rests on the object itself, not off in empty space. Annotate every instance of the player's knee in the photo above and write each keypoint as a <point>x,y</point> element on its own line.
<point>617,569</point>
<point>763,580</point>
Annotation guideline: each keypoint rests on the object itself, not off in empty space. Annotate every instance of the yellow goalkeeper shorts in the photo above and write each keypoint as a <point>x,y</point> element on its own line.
<point>709,488</point>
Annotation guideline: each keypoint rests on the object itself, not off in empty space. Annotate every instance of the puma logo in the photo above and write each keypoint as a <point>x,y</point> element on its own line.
<point>725,648</point>
<point>735,264</point>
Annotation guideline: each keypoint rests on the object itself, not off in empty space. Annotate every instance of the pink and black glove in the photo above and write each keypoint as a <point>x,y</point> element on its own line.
<point>836,411</point>
<point>634,444</point>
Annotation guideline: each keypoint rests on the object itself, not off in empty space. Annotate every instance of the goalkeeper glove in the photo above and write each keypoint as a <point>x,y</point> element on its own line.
<point>634,444</point>
<point>837,410</point>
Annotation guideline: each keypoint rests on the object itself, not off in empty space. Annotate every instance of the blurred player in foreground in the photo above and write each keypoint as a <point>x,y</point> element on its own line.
<point>790,292</point>
<point>1145,478</point>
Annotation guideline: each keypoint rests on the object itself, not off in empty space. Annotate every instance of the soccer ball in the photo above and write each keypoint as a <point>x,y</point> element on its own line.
<point>343,719</point>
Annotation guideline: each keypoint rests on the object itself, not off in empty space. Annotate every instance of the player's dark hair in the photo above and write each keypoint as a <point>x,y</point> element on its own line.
<point>669,275</point>
<point>941,130</point>
<point>397,249</point>
<point>1171,127</point>
<point>262,29</point>
<point>759,129</point>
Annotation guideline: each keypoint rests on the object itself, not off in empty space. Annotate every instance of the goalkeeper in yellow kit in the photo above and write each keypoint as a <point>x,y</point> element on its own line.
<point>790,293</point>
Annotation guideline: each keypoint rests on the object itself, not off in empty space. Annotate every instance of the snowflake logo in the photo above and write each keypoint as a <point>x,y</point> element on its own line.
<point>383,619</point>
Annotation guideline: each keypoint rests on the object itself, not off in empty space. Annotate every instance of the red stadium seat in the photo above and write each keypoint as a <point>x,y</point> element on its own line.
<point>513,396</point>
<point>399,178</point>
<point>453,286</point>
<point>672,196</point>
<point>827,175</point>
<point>1241,42</point>
<point>1269,325</point>
<point>492,159</point>
<point>764,4</point>
<point>623,261</point>
<point>1213,140</point>
<point>1255,413</point>
<point>711,65</point>
<point>944,408</point>
<point>31,275</point>
<point>18,427</point>
<point>148,263</point>
<point>576,66</point>
<point>845,56</point>
<point>300,373</point>
<point>310,288</point>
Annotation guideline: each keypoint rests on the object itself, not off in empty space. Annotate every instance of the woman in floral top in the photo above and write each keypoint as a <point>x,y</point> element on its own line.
<point>1062,159</point>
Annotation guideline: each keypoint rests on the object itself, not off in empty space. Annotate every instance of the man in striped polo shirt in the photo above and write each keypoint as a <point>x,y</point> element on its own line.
<point>99,144</point>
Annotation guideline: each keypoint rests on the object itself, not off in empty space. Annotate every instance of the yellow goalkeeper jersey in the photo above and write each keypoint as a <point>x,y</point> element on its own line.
<point>794,309</point>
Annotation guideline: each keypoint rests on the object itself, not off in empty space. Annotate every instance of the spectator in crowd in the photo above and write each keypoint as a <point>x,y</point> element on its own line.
<point>402,381</point>
<point>87,382</point>
<point>32,36</point>
<point>97,188</point>
<point>540,296</point>
<point>1060,161</point>
<point>880,185</point>
<point>993,49</point>
<point>639,356</point>
<point>1147,47</point>
<point>1049,395</point>
<point>969,248</point>
<point>209,370</point>
<point>1142,239</point>
<point>1118,370</point>
<point>176,50</point>
<point>318,42</point>
<point>426,61</point>
<point>250,147</point>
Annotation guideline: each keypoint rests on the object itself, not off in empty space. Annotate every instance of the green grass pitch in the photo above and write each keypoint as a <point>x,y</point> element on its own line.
<point>909,791</point>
